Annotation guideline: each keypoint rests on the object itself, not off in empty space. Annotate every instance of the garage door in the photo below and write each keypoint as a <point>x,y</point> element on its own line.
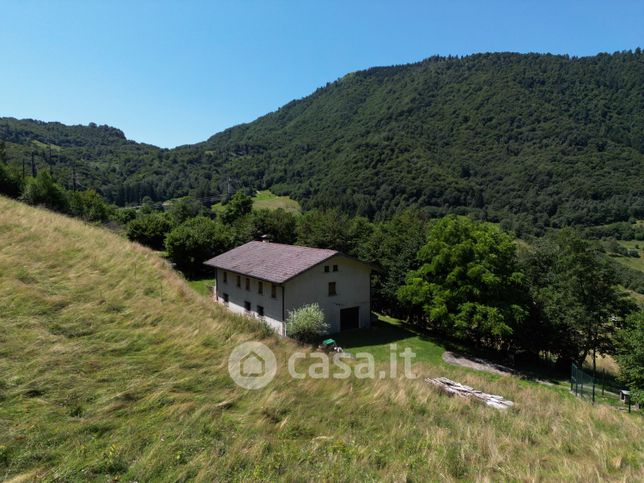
<point>350,318</point>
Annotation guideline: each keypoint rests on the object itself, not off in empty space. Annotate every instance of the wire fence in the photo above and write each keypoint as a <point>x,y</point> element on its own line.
<point>582,384</point>
<point>602,386</point>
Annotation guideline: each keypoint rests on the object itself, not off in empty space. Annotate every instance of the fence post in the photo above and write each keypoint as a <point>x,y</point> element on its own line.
<point>594,372</point>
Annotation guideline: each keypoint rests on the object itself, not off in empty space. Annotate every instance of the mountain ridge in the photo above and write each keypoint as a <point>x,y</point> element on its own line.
<point>543,139</point>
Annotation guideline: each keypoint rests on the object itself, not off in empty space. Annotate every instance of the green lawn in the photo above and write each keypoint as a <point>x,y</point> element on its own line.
<point>385,331</point>
<point>202,285</point>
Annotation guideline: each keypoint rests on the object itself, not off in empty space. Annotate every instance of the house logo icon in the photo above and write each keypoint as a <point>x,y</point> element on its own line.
<point>252,365</point>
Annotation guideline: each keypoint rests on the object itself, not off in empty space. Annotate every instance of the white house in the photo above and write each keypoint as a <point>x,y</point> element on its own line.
<point>267,280</point>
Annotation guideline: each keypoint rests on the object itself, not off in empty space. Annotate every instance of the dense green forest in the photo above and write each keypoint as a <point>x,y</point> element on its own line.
<point>531,140</point>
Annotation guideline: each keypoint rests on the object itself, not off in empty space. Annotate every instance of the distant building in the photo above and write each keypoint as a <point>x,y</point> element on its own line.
<point>267,280</point>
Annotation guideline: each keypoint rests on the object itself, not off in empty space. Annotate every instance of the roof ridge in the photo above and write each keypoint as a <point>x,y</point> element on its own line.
<point>273,262</point>
<point>289,245</point>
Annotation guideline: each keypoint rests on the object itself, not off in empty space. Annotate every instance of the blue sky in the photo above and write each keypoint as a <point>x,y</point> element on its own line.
<point>171,73</point>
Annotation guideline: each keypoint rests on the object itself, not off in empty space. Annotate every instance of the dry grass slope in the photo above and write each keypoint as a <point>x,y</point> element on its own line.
<point>111,366</point>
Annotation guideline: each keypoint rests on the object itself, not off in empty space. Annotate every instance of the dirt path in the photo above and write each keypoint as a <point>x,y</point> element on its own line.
<point>476,363</point>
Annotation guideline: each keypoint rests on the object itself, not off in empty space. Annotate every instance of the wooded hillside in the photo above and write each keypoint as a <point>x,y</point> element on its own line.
<point>536,140</point>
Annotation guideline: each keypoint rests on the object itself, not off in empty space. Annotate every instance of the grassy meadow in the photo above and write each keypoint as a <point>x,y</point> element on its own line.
<point>268,201</point>
<point>112,367</point>
<point>636,263</point>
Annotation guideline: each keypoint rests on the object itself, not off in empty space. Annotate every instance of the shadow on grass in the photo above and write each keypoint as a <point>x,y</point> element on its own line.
<point>386,330</point>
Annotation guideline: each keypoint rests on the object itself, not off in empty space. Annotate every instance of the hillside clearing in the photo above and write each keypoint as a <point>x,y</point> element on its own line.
<point>266,200</point>
<point>636,263</point>
<point>112,367</point>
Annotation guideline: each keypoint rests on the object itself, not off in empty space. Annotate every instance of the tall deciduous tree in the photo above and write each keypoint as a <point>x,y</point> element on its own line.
<point>3,152</point>
<point>149,229</point>
<point>468,283</point>
<point>238,206</point>
<point>394,246</point>
<point>195,241</point>
<point>335,230</point>
<point>278,225</point>
<point>576,296</point>
<point>630,355</point>
<point>10,184</point>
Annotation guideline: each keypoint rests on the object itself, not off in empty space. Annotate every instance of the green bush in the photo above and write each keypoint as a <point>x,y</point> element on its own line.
<point>195,241</point>
<point>43,190</point>
<point>90,206</point>
<point>306,323</point>
<point>10,184</point>
<point>149,230</point>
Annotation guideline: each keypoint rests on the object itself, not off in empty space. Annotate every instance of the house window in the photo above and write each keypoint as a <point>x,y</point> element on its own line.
<point>273,291</point>
<point>326,268</point>
<point>260,311</point>
<point>225,298</point>
<point>238,281</point>
<point>335,268</point>
<point>248,284</point>
<point>260,288</point>
<point>332,289</point>
<point>247,306</point>
<point>225,277</point>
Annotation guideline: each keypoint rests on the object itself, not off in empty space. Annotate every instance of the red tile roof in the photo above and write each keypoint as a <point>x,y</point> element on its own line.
<point>272,262</point>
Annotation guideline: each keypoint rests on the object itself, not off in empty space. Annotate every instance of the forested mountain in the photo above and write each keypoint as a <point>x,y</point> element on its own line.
<point>533,139</point>
<point>92,156</point>
<point>551,137</point>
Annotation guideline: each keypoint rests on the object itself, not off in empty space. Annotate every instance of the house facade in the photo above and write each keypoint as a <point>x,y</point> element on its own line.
<point>268,280</point>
